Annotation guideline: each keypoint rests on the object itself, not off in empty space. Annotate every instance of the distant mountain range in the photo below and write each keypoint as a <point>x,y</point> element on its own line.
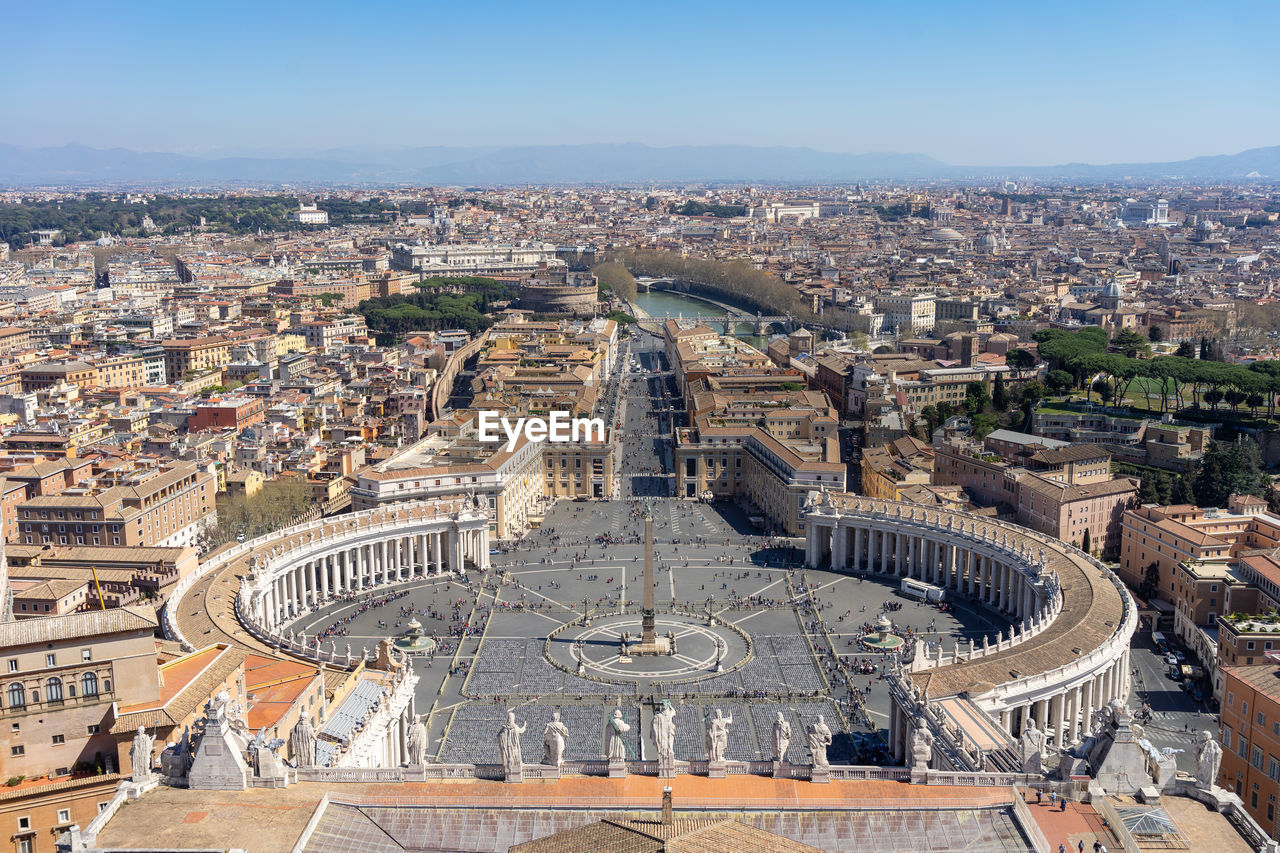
<point>551,164</point>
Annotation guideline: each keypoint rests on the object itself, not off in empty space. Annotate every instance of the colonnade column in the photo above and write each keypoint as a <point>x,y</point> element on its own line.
<point>839,547</point>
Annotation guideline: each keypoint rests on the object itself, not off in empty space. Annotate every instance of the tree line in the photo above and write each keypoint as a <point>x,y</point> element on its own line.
<point>1109,367</point>
<point>90,216</point>
<point>736,282</point>
<point>720,211</point>
<point>436,306</point>
<point>614,276</point>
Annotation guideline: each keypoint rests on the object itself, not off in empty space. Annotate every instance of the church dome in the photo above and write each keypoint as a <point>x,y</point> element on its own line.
<point>1113,290</point>
<point>946,235</point>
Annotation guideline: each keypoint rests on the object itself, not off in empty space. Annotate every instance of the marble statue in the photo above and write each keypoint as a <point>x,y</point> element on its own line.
<point>921,748</point>
<point>718,735</point>
<point>663,731</point>
<point>140,755</point>
<point>781,738</point>
<point>509,745</point>
<point>417,741</point>
<point>553,738</point>
<point>1031,746</point>
<point>302,742</point>
<point>617,747</point>
<point>1208,760</point>
<point>262,749</point>
<point>819,740</point>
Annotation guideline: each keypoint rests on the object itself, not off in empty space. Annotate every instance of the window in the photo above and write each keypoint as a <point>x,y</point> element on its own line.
<point>59,740</point>
<point>89,684</point>
<point>17,751</point>
<point>86,654</point>
<point>1262,718</point>
<point>1273,768</point>
<point>13,664</point>
<point>51,659</point>
<point>17,697</point>
<point>94,728</point>
<point>53,690</point>
<point>1257,758</point>
<point>64,815</point>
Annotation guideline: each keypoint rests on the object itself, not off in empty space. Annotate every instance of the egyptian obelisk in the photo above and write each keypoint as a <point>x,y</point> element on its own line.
<point>647,638</point>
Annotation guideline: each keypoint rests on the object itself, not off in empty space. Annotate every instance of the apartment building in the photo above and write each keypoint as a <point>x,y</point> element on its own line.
<point>323,335</point>
<point>235,413</point>
<point>1165,536</point>
<point>14,339</point>
<point>892,469</point>
<point>185,356</point>
<point>908,314</point>
<point>164,506</point>
<point>1066,492</point>
<point>78,373</point>
<point>1250,734</point>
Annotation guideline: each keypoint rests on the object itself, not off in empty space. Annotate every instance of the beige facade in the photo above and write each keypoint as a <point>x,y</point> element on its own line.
<point>61,679</point>
<point>164,507</point>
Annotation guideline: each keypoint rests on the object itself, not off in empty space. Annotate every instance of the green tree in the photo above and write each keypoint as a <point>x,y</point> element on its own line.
<point>1130,344</point>
<point>1230,468</point>
<point>1103,388</point>
<point>1150,585</point>
<point>720,211</point>
<point>1180,491</point>
<point>1020,359</point>
<point>1154,334</point>
<point>999,396</point>
<point>1086,542</point>
<point>976,398</point>
<point>1147,491</point>
<point>1186,349</point>
<point>984,423</point>
<point>1059,381</point>
<point>930,415</point>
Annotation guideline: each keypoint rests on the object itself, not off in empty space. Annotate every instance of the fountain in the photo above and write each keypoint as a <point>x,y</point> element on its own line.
<point>883,637</point>
<point>414,641</point>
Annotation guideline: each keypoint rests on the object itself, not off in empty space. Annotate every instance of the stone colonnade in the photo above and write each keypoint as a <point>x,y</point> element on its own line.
<point>355,561</point>
<point>1003,568</point>
<point>989,571</point>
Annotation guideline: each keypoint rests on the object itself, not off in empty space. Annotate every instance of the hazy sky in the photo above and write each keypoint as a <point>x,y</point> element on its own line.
<point>971,83</point>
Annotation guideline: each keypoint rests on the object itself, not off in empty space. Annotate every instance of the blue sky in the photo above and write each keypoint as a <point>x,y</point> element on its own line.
<point>968,83</point>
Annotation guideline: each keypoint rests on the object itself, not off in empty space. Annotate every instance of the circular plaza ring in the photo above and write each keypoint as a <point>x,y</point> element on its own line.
<point>700,650</point>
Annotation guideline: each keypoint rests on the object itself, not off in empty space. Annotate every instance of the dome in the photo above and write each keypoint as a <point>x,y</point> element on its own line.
<point>988,241</point>
<point>1113,290</point>
<point>946,235</point>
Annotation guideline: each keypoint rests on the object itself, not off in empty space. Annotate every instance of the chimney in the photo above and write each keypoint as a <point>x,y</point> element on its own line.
<point>667,818</point>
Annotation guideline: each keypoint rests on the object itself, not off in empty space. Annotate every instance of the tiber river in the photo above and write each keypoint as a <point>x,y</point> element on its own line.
<point>660,303</point>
